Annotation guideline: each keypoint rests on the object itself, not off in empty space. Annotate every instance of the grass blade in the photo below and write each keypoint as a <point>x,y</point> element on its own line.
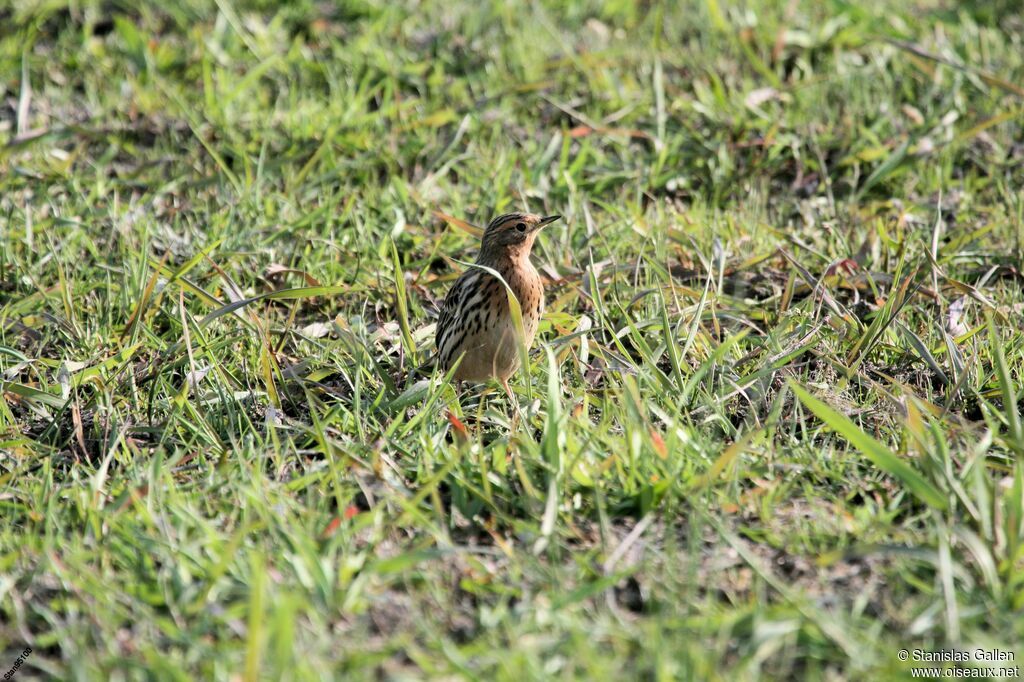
<point>881,456</point>
<point>1007,388</point>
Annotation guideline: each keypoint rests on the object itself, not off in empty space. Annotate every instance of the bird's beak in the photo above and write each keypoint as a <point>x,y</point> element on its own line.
<point>547,220</point>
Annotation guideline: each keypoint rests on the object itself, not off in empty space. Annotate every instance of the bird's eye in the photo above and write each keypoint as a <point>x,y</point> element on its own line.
<point>521,227</point>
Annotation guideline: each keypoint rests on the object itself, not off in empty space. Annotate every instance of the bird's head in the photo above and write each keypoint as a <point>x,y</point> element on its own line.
<point>512,235</point>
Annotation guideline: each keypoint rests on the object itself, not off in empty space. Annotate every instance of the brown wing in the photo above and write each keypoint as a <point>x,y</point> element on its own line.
<point>449,311</point>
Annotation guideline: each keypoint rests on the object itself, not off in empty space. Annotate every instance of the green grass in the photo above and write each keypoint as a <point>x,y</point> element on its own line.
<point>772,428</point>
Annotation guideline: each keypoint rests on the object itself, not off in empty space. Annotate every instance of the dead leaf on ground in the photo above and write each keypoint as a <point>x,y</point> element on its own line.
<point>459,223</point>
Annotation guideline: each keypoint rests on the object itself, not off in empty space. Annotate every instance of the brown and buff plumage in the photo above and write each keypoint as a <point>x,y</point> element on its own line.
<point>476,323</point>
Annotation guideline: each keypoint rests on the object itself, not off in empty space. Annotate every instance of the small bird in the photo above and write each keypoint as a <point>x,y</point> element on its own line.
<point>476,323</point>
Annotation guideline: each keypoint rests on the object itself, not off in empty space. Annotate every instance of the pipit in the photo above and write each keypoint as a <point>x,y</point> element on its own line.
<point>476,322</point>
